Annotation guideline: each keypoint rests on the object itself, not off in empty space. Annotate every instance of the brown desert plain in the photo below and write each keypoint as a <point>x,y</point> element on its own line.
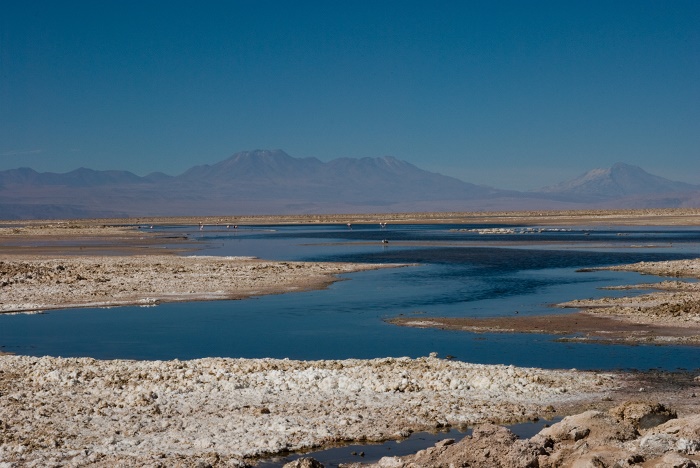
<point>236,412</point>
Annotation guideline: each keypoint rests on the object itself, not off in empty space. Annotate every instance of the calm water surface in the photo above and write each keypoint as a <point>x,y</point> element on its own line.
<point>453,273</point>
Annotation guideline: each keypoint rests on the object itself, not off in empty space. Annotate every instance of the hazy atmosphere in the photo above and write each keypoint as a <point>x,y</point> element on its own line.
<point>509,94</point>
<point>350,233</point>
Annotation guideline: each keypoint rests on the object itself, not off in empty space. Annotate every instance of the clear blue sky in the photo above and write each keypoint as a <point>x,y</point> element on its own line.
<point>513,94</point>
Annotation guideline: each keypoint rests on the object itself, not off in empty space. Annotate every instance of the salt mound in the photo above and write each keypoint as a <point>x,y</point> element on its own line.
<point>85,410</point>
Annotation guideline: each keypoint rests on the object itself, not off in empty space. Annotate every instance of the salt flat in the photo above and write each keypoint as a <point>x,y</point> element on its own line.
<point>82,411</point>
<point>226,412</point>
<point>39,283</point>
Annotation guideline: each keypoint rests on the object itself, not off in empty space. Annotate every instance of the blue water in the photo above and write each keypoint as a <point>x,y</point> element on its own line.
<point>451,274</point>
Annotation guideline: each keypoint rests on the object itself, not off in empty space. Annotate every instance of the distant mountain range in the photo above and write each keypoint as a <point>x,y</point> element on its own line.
<point>272,182</point>
<point>621,180</point>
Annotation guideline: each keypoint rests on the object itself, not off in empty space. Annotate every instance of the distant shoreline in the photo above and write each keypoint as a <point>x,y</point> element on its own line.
<point>638,217</point>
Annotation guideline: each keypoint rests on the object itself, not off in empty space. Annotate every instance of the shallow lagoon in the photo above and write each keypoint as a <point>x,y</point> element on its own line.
<point>454,273</point>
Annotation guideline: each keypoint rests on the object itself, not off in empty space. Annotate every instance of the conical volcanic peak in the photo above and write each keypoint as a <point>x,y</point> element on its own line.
<point>620,180</point>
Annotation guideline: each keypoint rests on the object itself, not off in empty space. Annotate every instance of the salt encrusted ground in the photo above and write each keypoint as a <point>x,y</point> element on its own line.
<point>37,283</point>
<point>81,411</point>
<point>675,303</point>
<point>76,412</point>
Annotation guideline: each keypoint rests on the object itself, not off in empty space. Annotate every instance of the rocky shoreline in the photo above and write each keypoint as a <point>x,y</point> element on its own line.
<point>85,411</point>
<point>635,433</point>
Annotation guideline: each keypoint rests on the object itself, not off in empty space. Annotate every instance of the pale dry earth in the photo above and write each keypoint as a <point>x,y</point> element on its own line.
<point>639,217</point>
<point>74,229</point>
<point>87,237</point>
<point>673,268</point>
<point>57,411</point>
<point>34,284</point>
<point>675,304</point>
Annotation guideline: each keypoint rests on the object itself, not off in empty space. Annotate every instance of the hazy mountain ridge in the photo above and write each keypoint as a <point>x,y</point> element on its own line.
<point>274,174</point>
<point>621,180</point>
<point>262,164</point>
<point>272,182</point>
<point>81,177</point>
